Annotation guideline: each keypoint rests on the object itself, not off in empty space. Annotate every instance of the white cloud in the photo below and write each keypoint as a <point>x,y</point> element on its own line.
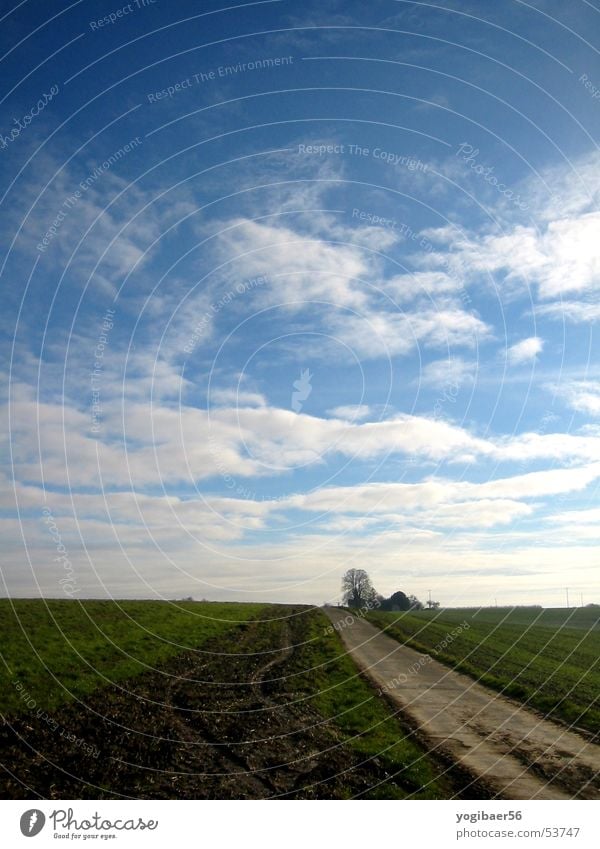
<point>558,256</point>
<point>560,447</point>
<point>153,444</point>
<point>575,188</point>
<point>562,259</point>
<point>419,284</point>
<point>351,412</point>
<point>453,370</point>
<point>299,268</point>
<point>573,311</point>
<point>382,334</point>
<point>581,395</point>
<point>525,350</point>
<point>356,300</point>
<point>238,397</point>
<point>578,517</point>
<point>434,493</point>
<point>459,515</point>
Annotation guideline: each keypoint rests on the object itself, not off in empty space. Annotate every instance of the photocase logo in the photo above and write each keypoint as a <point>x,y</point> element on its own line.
<point>302,388</point>
<point>32,822</point>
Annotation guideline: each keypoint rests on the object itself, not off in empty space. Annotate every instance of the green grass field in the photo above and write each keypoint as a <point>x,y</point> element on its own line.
<point>61,649</point>
<point>549,659</point>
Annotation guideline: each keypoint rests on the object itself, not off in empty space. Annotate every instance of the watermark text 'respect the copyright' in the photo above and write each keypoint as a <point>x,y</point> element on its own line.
<point>411,163</point>
<point>96,375</point>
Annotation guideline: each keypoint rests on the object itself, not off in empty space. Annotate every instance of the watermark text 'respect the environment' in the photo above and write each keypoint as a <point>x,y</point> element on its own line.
<point>221,72</point>
<point>73,199</point>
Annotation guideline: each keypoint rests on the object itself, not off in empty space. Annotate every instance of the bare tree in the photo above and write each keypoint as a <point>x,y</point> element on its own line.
<point>357,588</point>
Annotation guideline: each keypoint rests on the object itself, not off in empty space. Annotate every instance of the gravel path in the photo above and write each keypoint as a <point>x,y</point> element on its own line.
<point>509,747</point>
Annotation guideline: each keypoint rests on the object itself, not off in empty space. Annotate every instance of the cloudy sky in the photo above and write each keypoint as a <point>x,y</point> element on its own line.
<point>294,287</point>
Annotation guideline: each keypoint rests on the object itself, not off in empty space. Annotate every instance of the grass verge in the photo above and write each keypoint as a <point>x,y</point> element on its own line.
<point>367,722</point>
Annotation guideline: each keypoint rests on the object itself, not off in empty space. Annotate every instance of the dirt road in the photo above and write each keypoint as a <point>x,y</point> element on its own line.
<point>512,749</point>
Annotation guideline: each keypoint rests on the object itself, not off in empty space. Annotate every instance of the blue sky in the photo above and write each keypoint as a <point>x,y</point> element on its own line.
<point>290,288</point>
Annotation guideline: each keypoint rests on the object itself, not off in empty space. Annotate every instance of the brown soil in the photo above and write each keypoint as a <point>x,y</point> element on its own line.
<point>205,726</point>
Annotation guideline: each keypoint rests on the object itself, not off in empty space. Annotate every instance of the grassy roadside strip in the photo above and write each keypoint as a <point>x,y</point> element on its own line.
<point>339,693</point>
<point>53,651</point>
<point>555,670</point>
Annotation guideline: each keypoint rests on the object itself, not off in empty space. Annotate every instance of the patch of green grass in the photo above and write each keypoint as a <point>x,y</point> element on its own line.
<point>549,659</point>
<point>339,693</point>
<point>58,650</point>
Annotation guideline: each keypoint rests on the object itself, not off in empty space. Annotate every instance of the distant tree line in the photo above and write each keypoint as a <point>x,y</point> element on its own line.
<point>358,592</point>
<point>401,601</point>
